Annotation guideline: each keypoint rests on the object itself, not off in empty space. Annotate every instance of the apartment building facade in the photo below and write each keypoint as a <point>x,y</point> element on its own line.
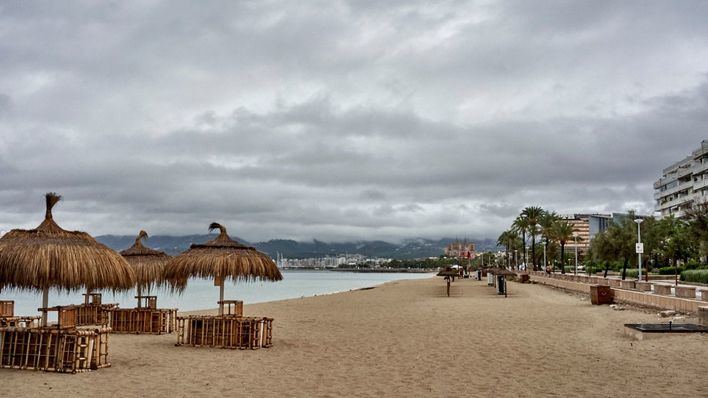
<point>682,183</point>
<point>585,227</point>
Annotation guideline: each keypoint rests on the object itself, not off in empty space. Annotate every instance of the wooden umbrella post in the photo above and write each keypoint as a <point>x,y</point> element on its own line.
<point>45,304</point>
<point>220,281</point>
<point>140,295</point>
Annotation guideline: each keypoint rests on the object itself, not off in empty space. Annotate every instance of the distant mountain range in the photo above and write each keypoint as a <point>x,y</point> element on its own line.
<point>409,248</point>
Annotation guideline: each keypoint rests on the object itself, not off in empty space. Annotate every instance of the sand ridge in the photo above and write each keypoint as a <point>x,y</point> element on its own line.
<point>407,339</point>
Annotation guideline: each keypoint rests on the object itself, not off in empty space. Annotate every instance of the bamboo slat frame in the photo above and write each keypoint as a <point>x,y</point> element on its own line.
<point>94,314</point>
<point>7,308</point>
<point>225,332</point>
<point>144,320</point>
<point>53,349</point>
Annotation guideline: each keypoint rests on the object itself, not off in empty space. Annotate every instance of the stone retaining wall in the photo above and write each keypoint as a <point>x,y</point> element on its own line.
<point>628,284</point>
<point>664,290</point>
<point>685,292</point>
<point>643,286</point>
<point>646,299</point>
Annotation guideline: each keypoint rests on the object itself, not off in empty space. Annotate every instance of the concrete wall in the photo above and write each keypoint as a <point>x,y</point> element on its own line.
<point>645,299</point>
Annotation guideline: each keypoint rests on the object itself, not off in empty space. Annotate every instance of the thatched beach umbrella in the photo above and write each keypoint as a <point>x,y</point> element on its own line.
<point>148,264</point>
<point>49,256</point>
<point>221,258</point>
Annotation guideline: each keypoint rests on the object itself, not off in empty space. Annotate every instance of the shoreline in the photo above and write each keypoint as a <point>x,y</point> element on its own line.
<point>253,303</point>
<point>366,270</point>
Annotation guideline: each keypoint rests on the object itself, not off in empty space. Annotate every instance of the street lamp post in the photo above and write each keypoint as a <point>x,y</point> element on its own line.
<point>526,256</point>
<point>545,264</point>
<point>516,259</point>
<point>640,248</point>
<point>575,238</point>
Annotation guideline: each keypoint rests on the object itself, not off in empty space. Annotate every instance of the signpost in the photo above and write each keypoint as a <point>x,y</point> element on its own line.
<point>639,247</point>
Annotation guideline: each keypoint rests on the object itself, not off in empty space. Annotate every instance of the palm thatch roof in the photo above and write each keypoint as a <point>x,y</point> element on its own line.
<point>501,271</point>
<point>448,272</point>
<point>221,258</point>
<point>148,264</point>
<point>49,256</point>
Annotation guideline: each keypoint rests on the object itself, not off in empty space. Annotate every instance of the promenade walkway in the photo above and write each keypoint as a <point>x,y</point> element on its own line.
<point>659,294</point>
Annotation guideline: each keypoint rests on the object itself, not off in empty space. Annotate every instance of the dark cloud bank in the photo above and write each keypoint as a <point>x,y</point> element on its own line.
<point>343,120</point>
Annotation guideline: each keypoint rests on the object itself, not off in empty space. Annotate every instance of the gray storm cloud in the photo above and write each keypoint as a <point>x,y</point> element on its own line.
<point>343,120</point>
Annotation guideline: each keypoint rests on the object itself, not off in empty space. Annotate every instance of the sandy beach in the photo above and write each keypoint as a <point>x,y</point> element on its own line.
<point>406,339</point>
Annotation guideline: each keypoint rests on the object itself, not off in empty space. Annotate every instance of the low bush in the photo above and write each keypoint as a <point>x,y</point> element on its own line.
<point>670,270</point>
<point>697,275</point>
<point>632,273</point>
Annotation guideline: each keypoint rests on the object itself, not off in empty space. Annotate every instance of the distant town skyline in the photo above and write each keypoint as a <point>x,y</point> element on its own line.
<point>343,120</point>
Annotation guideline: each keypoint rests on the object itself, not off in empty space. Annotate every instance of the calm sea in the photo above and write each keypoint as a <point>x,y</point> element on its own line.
<point>202,294</point>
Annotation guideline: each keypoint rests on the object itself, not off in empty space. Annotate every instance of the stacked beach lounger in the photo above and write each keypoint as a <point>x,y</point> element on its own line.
<point>144,319</point>
<point>230,330</point>
<point>93,311</point>
<point>59,348</point>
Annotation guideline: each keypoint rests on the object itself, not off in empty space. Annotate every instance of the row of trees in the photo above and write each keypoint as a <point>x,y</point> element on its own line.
<point>533,222</point>
<point>667,241</point>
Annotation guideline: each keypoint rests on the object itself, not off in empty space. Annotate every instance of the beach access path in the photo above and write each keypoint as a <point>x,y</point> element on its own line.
<point>407,339</point>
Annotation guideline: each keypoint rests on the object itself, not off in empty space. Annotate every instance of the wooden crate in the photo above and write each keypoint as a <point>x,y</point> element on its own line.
<point>94,314</point>
<point>232,307</point>
<point>7,308</point>
<point>66,316</point>
<point>54,350</point>
<point>144,320</point>
<point>20,321</point>
<point>225,332</point>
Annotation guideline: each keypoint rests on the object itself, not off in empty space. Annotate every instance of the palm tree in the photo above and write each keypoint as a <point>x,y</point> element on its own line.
<point>547,222</point>
<point>533,215</point>
<point>520,226</point>
<point>506,239</point>
<point>563,232</point>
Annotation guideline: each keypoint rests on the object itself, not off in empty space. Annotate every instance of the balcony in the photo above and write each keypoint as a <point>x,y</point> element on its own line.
<point>670,191</point>
<point>699,168</point>
<point>699,185</point>
<point>684,171</point>
<point>675,202</point>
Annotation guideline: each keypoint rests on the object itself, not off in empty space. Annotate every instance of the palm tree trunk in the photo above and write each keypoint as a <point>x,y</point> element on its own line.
<point>533,252</point>
<point>523,247</point>
<point>624,268</point>
<point>562,258</point>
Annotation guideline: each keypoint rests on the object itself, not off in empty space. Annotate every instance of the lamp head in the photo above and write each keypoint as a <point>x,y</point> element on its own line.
<point>638,220</point>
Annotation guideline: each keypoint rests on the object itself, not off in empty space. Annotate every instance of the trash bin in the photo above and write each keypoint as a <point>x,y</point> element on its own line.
<point>501,284</point>
<point>479,274</point>
<point>490,279</point>
<point>600,294</point>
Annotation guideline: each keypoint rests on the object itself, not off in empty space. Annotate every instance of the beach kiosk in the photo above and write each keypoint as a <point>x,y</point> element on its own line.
<point>223,259</point>
<point>51,257</point>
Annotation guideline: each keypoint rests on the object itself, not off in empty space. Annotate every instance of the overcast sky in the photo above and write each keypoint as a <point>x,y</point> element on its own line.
<point>343,120</point>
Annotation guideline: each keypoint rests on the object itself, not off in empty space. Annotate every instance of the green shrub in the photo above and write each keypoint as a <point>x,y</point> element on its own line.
<point>632,273</point>
<point>670,270</point>
<point>698,275</point>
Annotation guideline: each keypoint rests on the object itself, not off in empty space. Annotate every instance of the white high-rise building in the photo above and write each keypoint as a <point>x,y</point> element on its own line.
<point>682,183</point>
